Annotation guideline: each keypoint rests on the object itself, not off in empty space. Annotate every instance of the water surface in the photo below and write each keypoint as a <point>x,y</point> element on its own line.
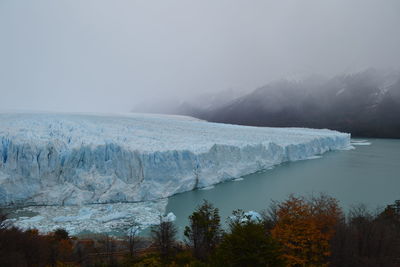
<point>369,174</point>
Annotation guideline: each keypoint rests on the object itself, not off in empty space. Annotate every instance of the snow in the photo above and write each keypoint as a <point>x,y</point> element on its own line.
<point>253,216</point>
<point>79,159</point>
<point>314,157</point>
<point>34,219</point>
<point>207,187</point>
<point>360,143</point>
<point>83,214</point>
<point>97,218</point>
<point>170,217</point>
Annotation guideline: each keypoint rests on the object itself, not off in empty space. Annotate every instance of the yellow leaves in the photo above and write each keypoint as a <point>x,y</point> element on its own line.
<point>304,228</point>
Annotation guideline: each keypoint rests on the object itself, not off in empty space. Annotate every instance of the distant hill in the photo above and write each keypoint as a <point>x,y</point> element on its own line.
<point>366,104</point>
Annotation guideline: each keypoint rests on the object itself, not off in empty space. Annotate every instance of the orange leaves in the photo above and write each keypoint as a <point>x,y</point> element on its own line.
<point>304,228</point>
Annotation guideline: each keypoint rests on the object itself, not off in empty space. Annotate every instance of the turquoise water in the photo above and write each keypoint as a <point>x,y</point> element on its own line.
<point>367,174</point>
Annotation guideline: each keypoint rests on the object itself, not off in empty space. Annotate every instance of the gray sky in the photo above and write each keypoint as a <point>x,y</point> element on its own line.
<point>70,55</point>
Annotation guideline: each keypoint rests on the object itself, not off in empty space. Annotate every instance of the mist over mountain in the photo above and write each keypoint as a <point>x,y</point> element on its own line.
<point>365,104</point>
<point>195,105</point>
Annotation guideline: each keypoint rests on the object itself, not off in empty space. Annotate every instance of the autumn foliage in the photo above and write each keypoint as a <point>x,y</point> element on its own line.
<point>30,248</point>
<point>300,231</point>
<point>304,228</point>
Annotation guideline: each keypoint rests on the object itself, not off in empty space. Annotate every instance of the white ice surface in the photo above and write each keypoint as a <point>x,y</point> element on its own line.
<point>249,215</point>
<point>253,216</point>
<point>97,218</point>
<point>207,187</point>
<point>76,159</point>
<point>361,144</point>
<point>170,217</point>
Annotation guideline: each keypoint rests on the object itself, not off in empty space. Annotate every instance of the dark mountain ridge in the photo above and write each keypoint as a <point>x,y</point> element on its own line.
<point>365,104</point>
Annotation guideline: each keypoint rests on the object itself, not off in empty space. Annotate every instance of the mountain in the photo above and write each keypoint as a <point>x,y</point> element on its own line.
<point>199,103</point>
<point>365,104</point>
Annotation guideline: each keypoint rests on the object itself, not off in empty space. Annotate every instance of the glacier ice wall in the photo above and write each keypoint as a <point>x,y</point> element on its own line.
<point>71,159</point>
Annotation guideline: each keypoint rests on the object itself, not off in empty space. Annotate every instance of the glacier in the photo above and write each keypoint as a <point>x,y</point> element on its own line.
<point>79,159</point>
<point>112,218</point>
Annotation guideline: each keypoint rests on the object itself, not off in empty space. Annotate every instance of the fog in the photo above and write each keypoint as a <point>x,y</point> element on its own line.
<point>110,56</point>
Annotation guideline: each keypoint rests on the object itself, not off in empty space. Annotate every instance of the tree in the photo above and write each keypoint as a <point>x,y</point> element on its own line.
<point>204,232</point>
<point>108,246</point>
<point>3,220</point>
<point>132,238</point>
<point>164,237</point>
<point>391,213</point>
<point>304,229</point>
<point>270,216</point>
<point>61,234</point>
<point>60,246</point>
<point>366,239</point>
<point>24,248</point>
<point>247,244</point>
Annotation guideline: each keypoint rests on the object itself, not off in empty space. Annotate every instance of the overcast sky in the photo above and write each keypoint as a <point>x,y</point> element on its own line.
<point>106,56</point>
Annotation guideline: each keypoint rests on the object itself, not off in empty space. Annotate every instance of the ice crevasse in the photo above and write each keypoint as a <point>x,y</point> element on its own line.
<point>72,159</point>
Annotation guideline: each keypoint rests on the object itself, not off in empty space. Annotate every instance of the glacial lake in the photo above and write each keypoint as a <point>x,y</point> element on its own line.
<point>368,174</point>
